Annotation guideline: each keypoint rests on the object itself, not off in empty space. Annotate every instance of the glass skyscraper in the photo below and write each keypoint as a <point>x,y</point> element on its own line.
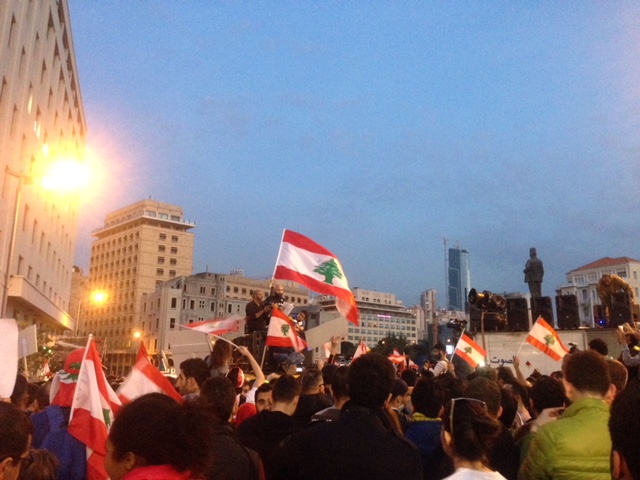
<point>459,280</point>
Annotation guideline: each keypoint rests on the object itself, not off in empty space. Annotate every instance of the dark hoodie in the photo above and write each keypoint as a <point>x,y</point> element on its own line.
<point>263,433</point>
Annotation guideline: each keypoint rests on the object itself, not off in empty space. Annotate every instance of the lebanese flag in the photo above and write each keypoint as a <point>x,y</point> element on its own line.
<point>145,378</point>
<point>470,351</point>
<point>282,332</point>
<point>361,350</point>
<point>397,358</point>
<point>219,326</point>
<point>545,338</point>
<point>304,261</point>
<point>92,412</point>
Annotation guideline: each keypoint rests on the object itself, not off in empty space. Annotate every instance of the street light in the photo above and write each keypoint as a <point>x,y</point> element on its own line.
<point>63,174</point>
<point>96,297</point>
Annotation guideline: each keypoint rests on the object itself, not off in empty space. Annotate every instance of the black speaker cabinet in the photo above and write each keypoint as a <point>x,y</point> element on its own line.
<point>568,315</point>
<point>542,307</point>
<point>493,320</point>
<point>621,311</point>
<point>517,314</point>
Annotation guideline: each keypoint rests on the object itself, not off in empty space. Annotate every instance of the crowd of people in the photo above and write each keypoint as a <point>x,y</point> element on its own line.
<point>363,421</point>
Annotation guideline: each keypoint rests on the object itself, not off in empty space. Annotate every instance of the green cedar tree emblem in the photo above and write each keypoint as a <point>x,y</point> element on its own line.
<point>549,340</point>
<point>468,350</point>
<point>285,329</point>
<point>329,269</point>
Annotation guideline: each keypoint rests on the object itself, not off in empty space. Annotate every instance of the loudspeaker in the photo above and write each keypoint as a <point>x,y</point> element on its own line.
<point>517,314</point>
<point>568,315</point>
<point>542,307</point>
<point>620,309</point>
<point>493,320</point>
<point>600,316</point>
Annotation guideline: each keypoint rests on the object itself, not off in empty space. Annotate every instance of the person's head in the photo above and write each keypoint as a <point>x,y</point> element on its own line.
<point>618,374</point>
<point>339,383</point>
<point>155,430</point>
<point>193,373</point>
<point>44,467</point>
<point>258,296</point>
<point>286,389</point>
<point>600,346</point>
<point>279,289</point>
<point>311,381</point>
<point>15,440</point>
<point>20,394</point>
<point>370,380</point>
<point>469,429</point>
<point>427,397</point>
<point>624,425</point>
<point>509,406</point>
<point>520,392</point>
<point>439,350</point>
<point>547,392</point>
<point>504,375</point>
<point>302,316</point>
<point>263,399</point>
<point>221,355</point>
<point>410,376</point>
<point>218,397</point>
<point>399,394</point>
<point>532,252</point>
<point>488,391</point>
<point>606,280</point>
<point>585,373</point>
<point>289,364</point>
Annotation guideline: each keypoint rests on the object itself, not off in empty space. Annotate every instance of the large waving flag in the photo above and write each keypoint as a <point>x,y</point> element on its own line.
<point>282,332</point>
<point>92,411</point>
<point>219,326</point>
<point>545,338</point>
<point>398,358</point>
<point>304,261</point>
<point>470,351</point>
<point>145,378</point>
<point>361,350</point>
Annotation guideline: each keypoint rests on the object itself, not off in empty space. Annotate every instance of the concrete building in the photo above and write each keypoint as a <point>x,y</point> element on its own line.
<point>138,248</point>
<point>459,280</point>
<point>380,315</point>
<point>582,283</point>
<point>42,119</point>
<point>201,297</point>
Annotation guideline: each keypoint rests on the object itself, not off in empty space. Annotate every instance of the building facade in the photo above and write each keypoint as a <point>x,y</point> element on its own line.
<point>42,119</point>
<point>459,280</point>
<point>200,297</point>
<point>381,314</point>
<point>582,282</point>
<point>138,248</point>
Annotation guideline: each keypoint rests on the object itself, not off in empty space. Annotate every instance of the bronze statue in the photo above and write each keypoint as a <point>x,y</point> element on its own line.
<point>533,273</point>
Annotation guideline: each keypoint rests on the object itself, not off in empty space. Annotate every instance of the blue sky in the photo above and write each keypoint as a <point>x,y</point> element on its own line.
<point>375,128</point>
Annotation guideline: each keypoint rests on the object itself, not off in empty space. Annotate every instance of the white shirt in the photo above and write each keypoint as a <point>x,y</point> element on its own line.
<point>468,474</point>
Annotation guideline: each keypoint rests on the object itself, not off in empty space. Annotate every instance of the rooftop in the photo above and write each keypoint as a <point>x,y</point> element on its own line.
<point>606,262</point>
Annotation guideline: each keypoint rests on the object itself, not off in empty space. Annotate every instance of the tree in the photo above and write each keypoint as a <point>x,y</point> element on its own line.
<point>389,343</point>
<point>329,269</point>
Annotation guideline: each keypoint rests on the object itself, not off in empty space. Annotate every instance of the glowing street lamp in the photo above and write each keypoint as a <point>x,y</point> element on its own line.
<point>96,297</point>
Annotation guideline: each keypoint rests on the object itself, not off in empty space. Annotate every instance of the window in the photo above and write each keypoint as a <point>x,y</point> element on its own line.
<point>203,289</point>
<point>174,238</point>
<point>174,250</point>
<point>230,308</point>
<point>160,260</point>
<point>172,323</point>
<point>164,216</point>
<point>201,304</point>
<point>161,248</point>
<point>213,306</point>
<point>192,304</point>
<point>172,273</point>
<point>173,261</point>
<point>163,236</point>
<point>160,272</point>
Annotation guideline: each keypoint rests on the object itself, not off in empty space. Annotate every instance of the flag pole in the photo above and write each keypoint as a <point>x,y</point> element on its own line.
<point>457,343</point>
<point>279,252</point>
<point>525,338</point>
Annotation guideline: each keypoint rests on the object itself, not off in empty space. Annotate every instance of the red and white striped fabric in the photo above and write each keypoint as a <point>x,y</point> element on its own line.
<point>361,350</point>
<point>397,358</point>
<point>304,261</point>
<point>219,326</point>
<point>145,378</point>
<point>92,412</point>
<point>282,332</point>
<point>470,351</point>
<point>545,338</point>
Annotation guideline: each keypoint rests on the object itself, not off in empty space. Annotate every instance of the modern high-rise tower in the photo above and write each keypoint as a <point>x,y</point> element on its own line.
<point>459,277</point>
<point>41,119</point>
<point>138,248</point>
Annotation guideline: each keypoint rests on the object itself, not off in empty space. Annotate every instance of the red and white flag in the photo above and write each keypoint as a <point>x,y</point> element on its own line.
<point>219,326</point>
<point>145,378</point>
<point>304,261</point>
<point>397,358</point>
<point>470,351</point>
<point>545,338</point>
<point>92,412</point>
<point>361,350</point>
<point>282,332</point>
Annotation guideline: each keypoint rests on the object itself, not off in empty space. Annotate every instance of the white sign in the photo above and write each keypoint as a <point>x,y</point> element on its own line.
<point>9,356</point>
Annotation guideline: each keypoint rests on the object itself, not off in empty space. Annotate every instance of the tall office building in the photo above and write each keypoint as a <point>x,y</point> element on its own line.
<point>41,119</point>
<point>459,277</point>
<point>138,248</point>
